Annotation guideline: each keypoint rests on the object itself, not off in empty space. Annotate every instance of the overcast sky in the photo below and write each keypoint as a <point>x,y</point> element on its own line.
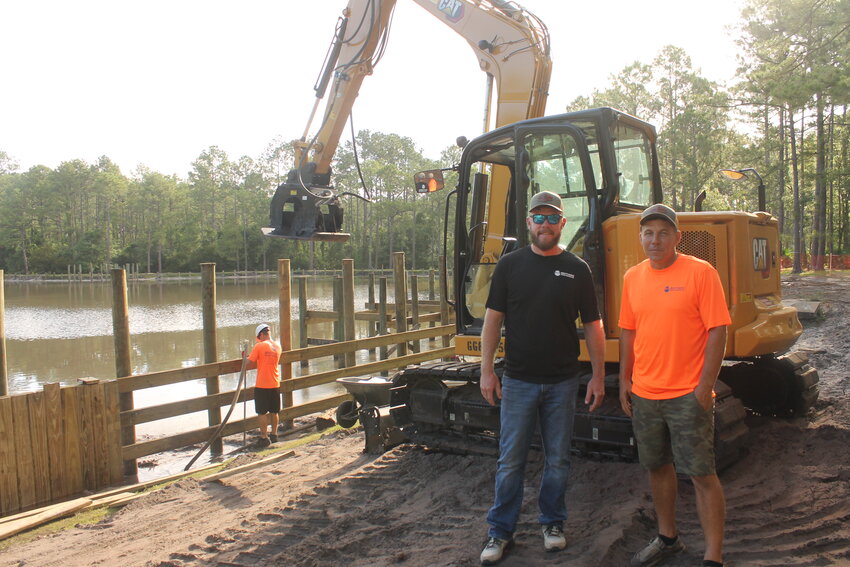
<point>158,82</point>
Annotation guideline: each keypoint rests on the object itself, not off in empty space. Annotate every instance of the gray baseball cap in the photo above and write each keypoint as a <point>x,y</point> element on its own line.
<point>545,199</point>
<point>659,211</point>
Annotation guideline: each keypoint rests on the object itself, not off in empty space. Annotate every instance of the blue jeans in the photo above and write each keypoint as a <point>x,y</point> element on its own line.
<point>523,404</point>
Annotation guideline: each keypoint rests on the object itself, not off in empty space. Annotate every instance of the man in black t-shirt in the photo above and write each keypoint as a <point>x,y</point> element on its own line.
<point>538,292</point>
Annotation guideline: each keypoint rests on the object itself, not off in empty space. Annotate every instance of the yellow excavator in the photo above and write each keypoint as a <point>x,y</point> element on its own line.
<point>604,165</point>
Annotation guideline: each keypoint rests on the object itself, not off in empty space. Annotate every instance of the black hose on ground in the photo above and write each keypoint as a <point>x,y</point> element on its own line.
<point>239,388</point>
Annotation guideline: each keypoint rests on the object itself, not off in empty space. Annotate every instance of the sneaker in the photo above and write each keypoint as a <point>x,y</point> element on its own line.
<point>272,437</point>
<point>655,552</point>
<point>553,538</point>
<point>493,551</point>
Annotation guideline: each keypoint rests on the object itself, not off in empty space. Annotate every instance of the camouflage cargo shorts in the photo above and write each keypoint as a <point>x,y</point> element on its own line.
<point>676,431</point>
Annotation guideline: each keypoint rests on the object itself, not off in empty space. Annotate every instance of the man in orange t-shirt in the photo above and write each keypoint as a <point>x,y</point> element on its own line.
<point>265,357</point>
<point>673,320</point>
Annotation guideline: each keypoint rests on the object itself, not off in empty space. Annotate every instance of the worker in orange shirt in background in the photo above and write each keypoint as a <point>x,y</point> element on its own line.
<point>265,357</point>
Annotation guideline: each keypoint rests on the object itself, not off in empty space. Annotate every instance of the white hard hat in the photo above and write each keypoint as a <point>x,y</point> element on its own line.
<point>260,328</point>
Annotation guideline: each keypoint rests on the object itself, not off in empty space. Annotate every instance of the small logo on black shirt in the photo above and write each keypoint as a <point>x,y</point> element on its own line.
<point>565,274</point>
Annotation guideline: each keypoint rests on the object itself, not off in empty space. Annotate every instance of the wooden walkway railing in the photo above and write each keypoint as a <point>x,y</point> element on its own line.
<point>183,407</point>
<point>62,441</point>
<point>59,442</point>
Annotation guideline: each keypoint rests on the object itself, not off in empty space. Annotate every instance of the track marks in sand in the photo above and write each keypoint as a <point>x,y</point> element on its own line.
<point>788,502</point>
<point>406,507</point>
<point>357,519</point>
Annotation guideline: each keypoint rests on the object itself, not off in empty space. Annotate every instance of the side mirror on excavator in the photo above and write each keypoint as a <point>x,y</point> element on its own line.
<point>429,181</point>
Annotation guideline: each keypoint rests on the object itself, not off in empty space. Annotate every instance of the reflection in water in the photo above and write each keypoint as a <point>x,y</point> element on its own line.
<point>60,332</point>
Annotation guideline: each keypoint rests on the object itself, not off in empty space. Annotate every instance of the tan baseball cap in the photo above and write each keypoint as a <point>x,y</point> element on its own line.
<point>545,199</point>
<point>659,211</point>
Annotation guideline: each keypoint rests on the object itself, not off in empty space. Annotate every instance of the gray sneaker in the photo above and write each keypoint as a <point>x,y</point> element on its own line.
<point>553,538</point>
<point>493,550</point>
<point>655,552</point>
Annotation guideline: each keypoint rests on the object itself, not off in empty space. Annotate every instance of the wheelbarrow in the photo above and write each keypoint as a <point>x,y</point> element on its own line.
<point>368,393</point>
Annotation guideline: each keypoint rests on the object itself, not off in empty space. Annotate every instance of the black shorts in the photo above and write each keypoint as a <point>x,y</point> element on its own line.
<point>266,400</point>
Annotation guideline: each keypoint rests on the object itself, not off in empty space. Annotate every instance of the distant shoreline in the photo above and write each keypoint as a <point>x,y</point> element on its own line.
<point>188,276</point>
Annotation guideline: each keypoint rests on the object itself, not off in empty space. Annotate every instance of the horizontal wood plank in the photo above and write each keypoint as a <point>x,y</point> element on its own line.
<point>183,407</point>
<point>363,369</point>
<point>153,379</point>
<point>308,353</point>
<point>187,438</point>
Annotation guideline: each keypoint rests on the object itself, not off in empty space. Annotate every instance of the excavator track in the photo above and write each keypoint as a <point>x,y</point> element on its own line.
<point>731,434</point>
<point>784,386</point>
<point>458,443</point>
<point>440,407</point>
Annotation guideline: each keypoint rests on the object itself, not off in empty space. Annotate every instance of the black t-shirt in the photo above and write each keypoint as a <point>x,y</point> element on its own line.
<point>541,297</point>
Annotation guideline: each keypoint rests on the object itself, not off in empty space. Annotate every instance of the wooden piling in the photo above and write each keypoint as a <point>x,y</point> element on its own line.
<point>208,301</point>
<point>444,304</point>
<point>339,321</point>
<point>414,308</point>
<point>400,289</point>
<point>284,280</point>
<point>431,296</point>
<point>348,307</point>
<point>4,375</point>
<point>303,333</point>
<point>370,304</point>
<point>382,317</point>
<point>123,365</point>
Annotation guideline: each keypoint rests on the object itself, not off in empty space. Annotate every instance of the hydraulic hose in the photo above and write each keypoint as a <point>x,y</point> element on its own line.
<point>239,388</point>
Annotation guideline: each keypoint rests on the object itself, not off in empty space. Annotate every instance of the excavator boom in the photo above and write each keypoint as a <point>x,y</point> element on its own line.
<point>512,47</point>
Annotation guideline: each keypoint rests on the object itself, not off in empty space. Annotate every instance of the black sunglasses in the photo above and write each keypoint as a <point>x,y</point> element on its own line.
<point>540,219</point>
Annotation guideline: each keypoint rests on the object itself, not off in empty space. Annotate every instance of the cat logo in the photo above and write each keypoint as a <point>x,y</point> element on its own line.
<point>453,9</point>
<point>760,255</point>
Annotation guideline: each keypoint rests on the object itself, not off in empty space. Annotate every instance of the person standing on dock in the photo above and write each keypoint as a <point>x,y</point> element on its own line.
<point>265,357</point>
<point>538,292</point>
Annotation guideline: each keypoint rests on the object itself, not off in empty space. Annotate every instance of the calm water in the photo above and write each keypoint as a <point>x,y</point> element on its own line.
<point>60,332</point>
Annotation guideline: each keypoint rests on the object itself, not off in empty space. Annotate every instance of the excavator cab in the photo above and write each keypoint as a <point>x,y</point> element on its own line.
<point>585,157</point>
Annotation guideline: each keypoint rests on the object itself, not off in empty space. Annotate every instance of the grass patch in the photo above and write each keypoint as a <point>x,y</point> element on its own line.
<point>82,518</point>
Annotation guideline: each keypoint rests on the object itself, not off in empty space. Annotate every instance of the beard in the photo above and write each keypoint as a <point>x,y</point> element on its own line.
<point>545,241</point>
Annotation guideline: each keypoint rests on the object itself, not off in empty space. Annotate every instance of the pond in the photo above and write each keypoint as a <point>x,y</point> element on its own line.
<point>61,332</point>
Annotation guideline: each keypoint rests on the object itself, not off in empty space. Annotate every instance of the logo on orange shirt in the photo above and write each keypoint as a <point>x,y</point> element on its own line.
<point>669,288</point>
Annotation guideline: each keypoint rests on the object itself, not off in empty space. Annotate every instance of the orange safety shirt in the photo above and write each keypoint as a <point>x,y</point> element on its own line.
<point>266,354</point>
<point>671,312</point>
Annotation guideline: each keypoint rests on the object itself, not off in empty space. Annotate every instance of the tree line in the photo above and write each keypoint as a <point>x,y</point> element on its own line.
<point>789,106</point>
<point>791,96</point>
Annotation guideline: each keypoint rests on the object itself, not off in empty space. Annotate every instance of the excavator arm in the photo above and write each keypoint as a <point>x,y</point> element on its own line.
<point>512,47</point>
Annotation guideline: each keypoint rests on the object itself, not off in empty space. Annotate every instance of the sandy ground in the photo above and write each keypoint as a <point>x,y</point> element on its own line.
<point>330,505</point>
